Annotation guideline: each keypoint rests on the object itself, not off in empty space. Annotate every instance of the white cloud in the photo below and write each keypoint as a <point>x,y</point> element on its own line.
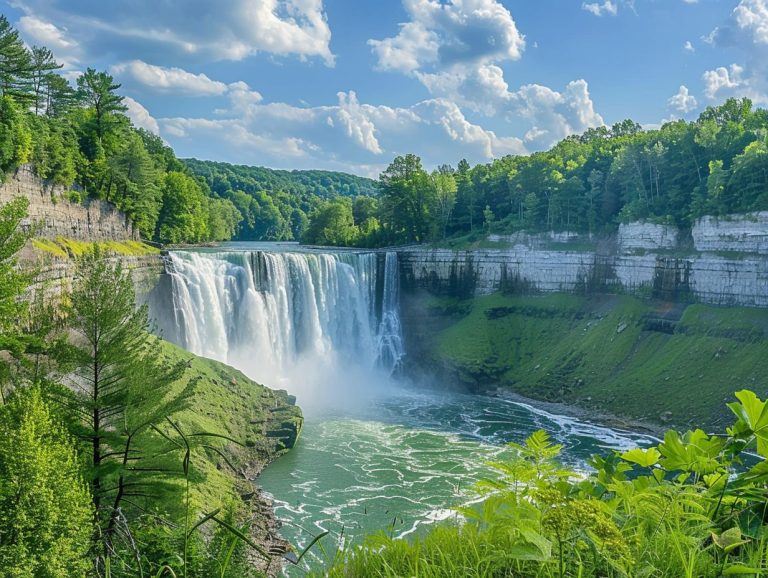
<point>46,33</point>
<point>455,49</point>
<point>688,46</point>
<point>725,82</point>
<point>683,101</point>
<point>751,16</point>
<point>174,79</point>
<point>454,33</point>
<point>747,30</point>
<point>194,30</point>
<point>555,115</point>
<point>350,135</point>
<point>358,125</point>
<point>598,9</point>
<point>42,33</point>
<point>140,116</point>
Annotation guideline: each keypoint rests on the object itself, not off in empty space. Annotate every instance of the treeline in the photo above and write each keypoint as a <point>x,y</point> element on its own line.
<point>275,204</point>
<point>79,137</point>
<point>100,463</point>
<point>587,183</point>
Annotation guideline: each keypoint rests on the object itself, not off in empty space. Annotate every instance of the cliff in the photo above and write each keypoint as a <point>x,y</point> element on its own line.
<point>653,324</point>
<point>55,215</point>
<point>722,262</point>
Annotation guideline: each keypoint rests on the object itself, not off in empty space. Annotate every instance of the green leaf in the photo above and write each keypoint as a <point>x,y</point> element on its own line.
<point>739,569</point>
<point>645,458</point>
<point>312,543</point>
<point>729,540</point>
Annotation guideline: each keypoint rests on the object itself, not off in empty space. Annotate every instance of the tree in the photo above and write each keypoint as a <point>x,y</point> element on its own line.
<point>444,182</point>
<point>133,178</point>
<point>46,514</point>
<point>124,386</point>
<point>184,213</point>
<point>96,90</point>
<point>15,136</point>
<point>15,65</point>
<point>332,224</point>
<point>59,95</point>
<point>13,283</point>
<point>43,64</point>
<point>406,195</point>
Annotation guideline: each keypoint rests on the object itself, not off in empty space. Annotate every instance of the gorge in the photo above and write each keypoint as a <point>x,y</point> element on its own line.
<point>374,454</point>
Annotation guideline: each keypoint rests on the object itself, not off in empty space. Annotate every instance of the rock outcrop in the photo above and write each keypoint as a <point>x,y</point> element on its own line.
<point>55,215</point>
<point>727,264</point>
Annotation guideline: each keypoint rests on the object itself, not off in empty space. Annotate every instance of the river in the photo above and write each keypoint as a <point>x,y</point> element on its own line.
<point>373,455</point>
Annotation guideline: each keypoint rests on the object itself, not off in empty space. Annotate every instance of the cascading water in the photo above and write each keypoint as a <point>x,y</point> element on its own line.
<point>326,326</point>
<point>270,313</point>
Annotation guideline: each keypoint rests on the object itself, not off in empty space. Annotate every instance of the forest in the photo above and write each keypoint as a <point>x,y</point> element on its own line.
<point>80,139</point>
<point>588,183</point>
<point>275,205</point>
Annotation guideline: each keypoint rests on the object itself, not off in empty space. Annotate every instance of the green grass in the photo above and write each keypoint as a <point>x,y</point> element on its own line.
<point>226,402</point>
<point>64,248</point>
<point>600,353</point>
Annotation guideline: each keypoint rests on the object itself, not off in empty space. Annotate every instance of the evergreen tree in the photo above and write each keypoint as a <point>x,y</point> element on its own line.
<point>43,64</point>
<point>124,387</point>
<point>16,67</point>
<point>46,514</point>
<point>96,90</point>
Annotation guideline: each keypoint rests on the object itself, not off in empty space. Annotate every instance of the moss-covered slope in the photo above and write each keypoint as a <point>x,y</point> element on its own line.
<point>657,362</point>
<point>264,422</point>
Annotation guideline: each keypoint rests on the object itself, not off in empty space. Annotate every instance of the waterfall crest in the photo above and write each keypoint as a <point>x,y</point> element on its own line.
<point>268,313</point>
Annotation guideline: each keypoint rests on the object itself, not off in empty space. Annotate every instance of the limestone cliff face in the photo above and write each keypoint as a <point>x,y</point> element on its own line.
<point>55,216</point>
<point>726,264</point>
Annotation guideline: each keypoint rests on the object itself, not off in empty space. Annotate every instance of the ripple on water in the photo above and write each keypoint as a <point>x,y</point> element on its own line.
<point>404,461</point>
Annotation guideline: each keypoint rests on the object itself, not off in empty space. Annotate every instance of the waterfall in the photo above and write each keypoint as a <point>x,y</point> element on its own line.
<point>270,313</point>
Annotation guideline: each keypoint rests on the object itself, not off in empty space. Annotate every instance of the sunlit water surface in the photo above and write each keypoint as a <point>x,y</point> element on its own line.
<point>401,463</point>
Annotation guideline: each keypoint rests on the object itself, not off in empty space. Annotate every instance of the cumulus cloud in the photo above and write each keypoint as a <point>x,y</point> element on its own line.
<point>193,30</point>
<point>43,33</point>
<point>751,16</point>
<point>598,9</point>
<point>747,30</point>
<point>555,115</point>
<point>176,80</point>
<point>358,125</point>
<point>724,82</point>
<point>457,32</point>
<point>688,46</point>
<point>349,135</point>
<point>140,116</point>
<point>683,101</point>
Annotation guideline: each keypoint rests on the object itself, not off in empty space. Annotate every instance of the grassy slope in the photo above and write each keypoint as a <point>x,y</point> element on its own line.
<point>226,402</point>
<point>600,353</point>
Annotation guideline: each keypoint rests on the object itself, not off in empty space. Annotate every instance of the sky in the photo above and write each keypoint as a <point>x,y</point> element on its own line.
<point>350,84</point>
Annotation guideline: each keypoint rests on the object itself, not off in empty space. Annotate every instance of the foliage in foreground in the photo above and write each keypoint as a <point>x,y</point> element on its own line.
<point>692,506</point>
<point>105,470</point>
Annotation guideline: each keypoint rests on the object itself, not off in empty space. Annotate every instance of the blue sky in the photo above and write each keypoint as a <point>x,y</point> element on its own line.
<point>349,84</point>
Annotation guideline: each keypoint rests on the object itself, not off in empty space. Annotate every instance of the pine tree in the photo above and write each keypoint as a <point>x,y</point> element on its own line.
<point>45,510</point>
<point>96,90</point>
<point>43,64</point>
<point>124,388</point>
<point>16,67</point>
